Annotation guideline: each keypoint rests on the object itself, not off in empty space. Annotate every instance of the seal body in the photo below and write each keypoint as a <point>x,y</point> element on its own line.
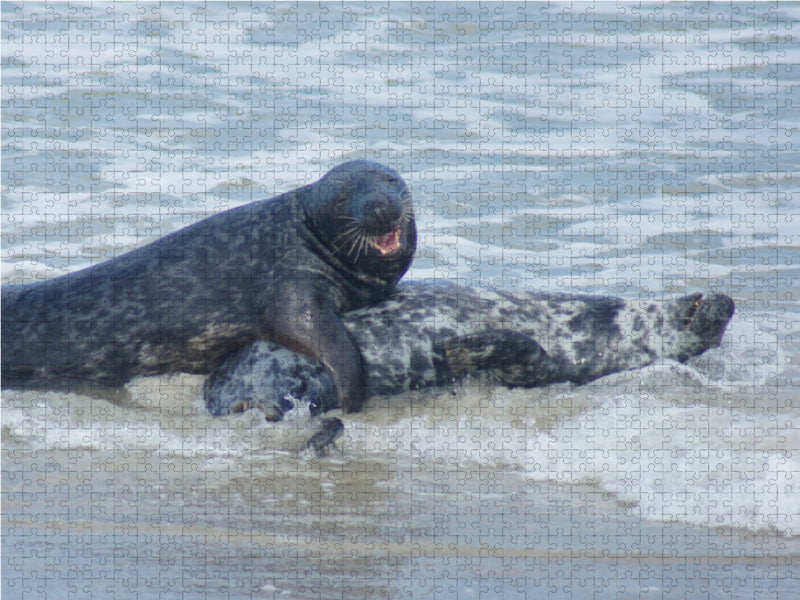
<point>429,334</point>
<point>280,269</point>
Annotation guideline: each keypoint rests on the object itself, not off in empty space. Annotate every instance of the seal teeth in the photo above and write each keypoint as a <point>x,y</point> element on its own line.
<point>386,244</point>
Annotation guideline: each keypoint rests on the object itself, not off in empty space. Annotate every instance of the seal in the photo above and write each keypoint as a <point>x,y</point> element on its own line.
<point>431,334</point>
<point>281,269</point>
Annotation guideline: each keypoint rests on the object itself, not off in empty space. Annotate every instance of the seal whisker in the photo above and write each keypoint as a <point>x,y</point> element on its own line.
<point>364,243</point>
<point>352,236</point>
<point>356,245</point>
<point>344,242</point>
<point>349,236</point>
<point>346,234</point>
<point>347,218</point>
<point>360,243</point>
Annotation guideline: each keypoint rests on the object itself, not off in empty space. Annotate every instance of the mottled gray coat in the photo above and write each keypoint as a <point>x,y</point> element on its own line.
<point>429,334</point>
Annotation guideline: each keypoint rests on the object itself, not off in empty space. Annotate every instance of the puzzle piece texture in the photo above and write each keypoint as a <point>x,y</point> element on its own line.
<point>634,151</point>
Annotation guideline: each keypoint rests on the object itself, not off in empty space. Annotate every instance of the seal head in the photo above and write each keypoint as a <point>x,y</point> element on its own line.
<point>360,217</point>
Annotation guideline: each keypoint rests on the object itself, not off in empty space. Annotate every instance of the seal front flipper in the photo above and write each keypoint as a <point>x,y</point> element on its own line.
<point>515,359</point>
<point>313,327</point>
<point>330,430</point>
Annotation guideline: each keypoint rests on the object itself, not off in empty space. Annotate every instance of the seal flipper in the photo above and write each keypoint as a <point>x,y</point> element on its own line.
<point>340,355</point>
<point>330,430</point>
<point>321,334</point>
<point>515,359</point>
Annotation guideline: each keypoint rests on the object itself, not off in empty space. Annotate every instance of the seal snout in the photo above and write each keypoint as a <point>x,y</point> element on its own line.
<point>706,317</point>
<point>386,214</point>
<point>379,218</point>
<point>385,221</point>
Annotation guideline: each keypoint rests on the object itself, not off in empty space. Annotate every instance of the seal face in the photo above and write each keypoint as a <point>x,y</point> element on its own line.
<point>280,269</point>
<point>429,334</point>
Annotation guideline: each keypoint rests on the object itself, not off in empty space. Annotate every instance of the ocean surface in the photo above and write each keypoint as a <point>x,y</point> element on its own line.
<point>637,150</point>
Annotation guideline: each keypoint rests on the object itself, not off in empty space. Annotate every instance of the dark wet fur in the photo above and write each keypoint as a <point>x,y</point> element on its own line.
<point>267,270</point>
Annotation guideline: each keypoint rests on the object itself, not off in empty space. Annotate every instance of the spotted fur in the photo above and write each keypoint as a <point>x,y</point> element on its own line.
<point>428,334</point>
<point>281,269</point>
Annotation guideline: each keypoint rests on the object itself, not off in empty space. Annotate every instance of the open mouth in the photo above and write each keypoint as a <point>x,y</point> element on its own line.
<point>389,243</point>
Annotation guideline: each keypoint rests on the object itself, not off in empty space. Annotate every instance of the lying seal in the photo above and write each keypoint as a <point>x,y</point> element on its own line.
<point>430,334</point>
<point>280,269</point>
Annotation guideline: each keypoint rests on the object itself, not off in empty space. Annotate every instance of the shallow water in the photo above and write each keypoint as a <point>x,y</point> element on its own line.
<point>634,151</point>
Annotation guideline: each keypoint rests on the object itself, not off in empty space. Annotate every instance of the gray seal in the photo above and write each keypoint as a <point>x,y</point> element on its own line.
<point>430,334</point>
<point>281,269</point>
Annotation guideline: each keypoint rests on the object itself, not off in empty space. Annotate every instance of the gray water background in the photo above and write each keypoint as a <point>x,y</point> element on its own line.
<point>635,150</point>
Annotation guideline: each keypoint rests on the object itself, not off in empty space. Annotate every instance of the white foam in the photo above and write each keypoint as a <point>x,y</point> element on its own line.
<point>679,449</point>
<point>710,466</point>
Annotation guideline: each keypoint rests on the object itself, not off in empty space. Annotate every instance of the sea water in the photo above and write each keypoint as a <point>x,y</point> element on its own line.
<point>637,150</point>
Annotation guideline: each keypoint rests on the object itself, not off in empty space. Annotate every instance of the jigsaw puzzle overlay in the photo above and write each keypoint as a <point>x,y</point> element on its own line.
<point>631,150</point>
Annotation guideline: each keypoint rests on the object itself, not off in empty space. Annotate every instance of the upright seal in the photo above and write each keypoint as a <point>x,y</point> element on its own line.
<point>280,269</point>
